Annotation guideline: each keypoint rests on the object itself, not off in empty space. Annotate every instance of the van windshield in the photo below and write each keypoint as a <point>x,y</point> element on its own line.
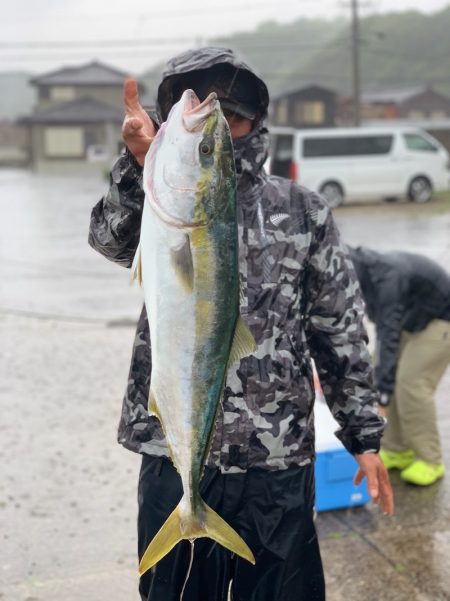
<point>347,146</point>
<point>281,153</point>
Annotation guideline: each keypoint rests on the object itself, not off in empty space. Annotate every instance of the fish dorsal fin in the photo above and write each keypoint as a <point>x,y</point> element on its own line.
<point>181,258</point>
<point>243,342</point>
<point>136,268</point>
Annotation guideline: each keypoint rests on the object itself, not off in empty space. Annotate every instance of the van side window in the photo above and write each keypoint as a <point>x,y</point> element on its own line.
<point>347,146</point>
<point>416,142</point>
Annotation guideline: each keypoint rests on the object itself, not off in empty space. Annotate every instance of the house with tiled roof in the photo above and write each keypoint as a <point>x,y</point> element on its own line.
<point>78,116</point>
<point>414,103</point>
<point>308,106</point>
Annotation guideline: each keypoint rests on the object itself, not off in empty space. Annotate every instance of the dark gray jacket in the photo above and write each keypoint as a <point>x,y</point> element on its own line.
<point>402,291</point>
<point>300,299</point>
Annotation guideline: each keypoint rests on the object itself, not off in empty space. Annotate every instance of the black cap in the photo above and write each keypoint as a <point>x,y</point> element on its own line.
<point>231,106</point>
<point>236,89</point>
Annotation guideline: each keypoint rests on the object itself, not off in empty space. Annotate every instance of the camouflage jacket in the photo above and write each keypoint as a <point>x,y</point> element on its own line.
<point>301,300</point>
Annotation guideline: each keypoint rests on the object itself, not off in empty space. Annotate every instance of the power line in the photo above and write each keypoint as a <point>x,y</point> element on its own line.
<point>58,44</point>
<point>171,13</point>
<point>94,43</point>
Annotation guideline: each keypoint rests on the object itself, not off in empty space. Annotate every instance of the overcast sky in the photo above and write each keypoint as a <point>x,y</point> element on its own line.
<point>41,35</point>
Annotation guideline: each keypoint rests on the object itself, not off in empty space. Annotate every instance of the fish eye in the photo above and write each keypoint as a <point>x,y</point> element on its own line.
<point>206,148</point>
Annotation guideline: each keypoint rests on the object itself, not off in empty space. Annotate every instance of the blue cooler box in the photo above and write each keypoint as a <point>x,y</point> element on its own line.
<point>335,467</point>
<point>334,473</point>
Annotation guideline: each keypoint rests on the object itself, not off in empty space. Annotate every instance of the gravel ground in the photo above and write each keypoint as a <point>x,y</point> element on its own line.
<point>68,491</point>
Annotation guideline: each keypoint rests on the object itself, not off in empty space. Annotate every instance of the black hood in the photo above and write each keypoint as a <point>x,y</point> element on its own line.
<point>366,264</point>
<point>201,59</point>
<point>250,151</point>
<point>363,259</point>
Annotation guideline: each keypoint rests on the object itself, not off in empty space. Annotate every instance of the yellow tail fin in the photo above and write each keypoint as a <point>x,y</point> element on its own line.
<point>172,532</point>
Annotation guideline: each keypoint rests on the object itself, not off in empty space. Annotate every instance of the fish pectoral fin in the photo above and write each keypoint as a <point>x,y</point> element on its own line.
<point>243,342</point>
<point>174,530</point>
<point>181,259</point>
<point>136,267</point>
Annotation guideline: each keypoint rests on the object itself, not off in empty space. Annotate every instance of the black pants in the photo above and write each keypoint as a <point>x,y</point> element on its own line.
<point>272,511</point>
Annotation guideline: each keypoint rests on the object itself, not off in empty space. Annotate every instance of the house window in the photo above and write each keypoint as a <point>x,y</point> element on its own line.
<point>310,112</point>
<point>44,93</point>
<point>416,115</point>
<point>438,115</point>
<point>63,142</point>
<point>62,93</point>
<point>282,112</point>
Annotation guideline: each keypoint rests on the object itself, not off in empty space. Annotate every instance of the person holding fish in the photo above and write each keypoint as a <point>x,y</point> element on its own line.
<point>245,282</point>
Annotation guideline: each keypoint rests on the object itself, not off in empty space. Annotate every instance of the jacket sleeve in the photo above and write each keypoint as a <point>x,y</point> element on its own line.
<point>388,323</point>
<point>116,219</point>
<point>337,337</point>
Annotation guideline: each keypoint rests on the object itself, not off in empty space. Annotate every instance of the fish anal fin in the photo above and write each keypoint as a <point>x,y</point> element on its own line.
<point>191,527</point>
<point>136,268</point>
<point>243,342</point>
<point>181,259</point>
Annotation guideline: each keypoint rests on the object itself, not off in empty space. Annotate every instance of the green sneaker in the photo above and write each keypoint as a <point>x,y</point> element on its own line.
<point>394,460</point>
<point>422,473</point>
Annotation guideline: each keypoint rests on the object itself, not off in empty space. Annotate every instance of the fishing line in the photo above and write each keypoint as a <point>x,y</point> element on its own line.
<point>192,541</point>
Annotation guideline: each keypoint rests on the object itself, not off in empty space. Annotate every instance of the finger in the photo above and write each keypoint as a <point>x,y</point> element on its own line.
<point>372,484</point>
<point>386,493</point>
<point>387,502</point>
<point>359,476</point>
<point>131,126</point>
<point>131,96</point>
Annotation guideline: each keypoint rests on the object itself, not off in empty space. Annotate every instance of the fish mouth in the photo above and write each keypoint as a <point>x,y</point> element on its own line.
<point>195,112</point>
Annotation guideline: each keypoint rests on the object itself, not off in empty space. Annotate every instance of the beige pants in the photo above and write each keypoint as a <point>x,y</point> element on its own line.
<point>411,415</point>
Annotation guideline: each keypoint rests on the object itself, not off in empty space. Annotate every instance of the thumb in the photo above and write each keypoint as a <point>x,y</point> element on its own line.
<point>131,96</point>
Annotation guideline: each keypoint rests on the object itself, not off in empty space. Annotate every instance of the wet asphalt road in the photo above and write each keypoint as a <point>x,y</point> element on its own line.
<point>68,491</point>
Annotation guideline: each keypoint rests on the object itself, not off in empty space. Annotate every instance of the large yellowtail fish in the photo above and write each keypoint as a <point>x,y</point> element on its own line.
<point>187,262</point>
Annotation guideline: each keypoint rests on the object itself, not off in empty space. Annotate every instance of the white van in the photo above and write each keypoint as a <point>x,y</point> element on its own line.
<point>361,163</point>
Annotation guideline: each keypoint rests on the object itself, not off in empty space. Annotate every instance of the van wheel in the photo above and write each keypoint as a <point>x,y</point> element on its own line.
<point>333,194</point>
<point>420,189</point>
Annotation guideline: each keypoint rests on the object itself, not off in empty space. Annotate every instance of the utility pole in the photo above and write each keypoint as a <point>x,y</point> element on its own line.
<point>355,63</point>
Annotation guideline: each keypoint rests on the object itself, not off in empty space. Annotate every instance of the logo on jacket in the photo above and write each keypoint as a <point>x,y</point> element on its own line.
<point>278,218</point>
